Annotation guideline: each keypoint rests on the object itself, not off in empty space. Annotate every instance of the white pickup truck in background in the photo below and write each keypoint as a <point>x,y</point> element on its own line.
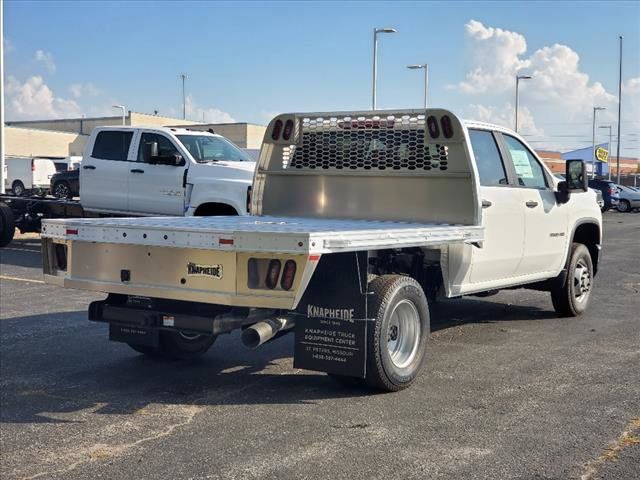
<point>137,171</point>
<point>358,220</point>
<point>164,171</point>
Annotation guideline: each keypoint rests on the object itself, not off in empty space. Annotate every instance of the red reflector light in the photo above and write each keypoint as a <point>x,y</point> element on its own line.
<point>314,258</point>
<point>72,231</point>
<point>288,275</point>
<point>447,127</point>
<point>273,273</point>
<point>277,128</point>
<point>432,125</point>
<point>225,241</point>
<point>33,165</point>
<point>288,129</point>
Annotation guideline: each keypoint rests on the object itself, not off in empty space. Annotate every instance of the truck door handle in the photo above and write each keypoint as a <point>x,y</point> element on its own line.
<point>137,170</point>
<point>486,204</point>
<point>89,167</point>
<point>531,204</point>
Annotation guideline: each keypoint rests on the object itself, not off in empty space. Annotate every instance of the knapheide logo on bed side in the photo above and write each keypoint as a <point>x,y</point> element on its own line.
<point>214,271</point>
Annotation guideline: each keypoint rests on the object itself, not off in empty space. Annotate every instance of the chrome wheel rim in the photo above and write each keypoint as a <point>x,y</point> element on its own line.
<point>190,337</point>
<point>403,333</point>
<point>622,206</point>
<point>581,281</point>
<point>18,190</point>
<point>61,191</point>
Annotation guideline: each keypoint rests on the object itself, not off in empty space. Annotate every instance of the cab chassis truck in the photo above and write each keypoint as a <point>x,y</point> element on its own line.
<point>359,219</point>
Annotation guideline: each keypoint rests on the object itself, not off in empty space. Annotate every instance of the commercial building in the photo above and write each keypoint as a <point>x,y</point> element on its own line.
<point>64,137</point>
<point>33,142</point>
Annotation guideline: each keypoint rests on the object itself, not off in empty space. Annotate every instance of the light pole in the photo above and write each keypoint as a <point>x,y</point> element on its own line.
<point>593,141</point>
<point>619,114</point>
<point>610,148</point>
<point>426,79</point>
<point>184,76</point>
<point>376,31</point>
<point>518,78</point>
<point>123,112</point>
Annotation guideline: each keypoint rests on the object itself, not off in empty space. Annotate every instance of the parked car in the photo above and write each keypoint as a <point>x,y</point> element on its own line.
<point>609,192</point>
<point>66,184</point>
<point>27,175</point>
<point>629,198</point>
<point>599,199</point>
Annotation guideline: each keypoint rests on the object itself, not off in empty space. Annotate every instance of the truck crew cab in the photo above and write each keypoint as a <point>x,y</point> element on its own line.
<point>164,171</point>
<point>359,219</point>
<point>141,171</point>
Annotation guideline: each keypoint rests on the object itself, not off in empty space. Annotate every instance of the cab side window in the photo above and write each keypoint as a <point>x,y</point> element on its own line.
<point>528,170</point>
<point>112,145</point>
<point>488,159</point>
<point>166,148</point>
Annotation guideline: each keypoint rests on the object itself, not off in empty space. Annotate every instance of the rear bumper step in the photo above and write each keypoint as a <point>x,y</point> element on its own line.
<point>173,316</point>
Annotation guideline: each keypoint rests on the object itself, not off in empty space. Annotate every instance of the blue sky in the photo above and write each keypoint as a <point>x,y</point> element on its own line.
<point>247,61</point>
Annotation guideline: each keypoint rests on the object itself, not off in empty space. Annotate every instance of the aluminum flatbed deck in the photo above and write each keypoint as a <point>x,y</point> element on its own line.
<point>261,233</point>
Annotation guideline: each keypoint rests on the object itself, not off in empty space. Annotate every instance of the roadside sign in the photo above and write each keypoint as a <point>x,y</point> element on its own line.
<point>602,154</point>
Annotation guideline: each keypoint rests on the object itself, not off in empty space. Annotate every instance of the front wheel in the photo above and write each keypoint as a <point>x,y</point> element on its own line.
<point>17,187</point>
<point>177,345</point>
<point>624,206</point>
<point>62,190</point>
<point>7,225</point>
<point>184,346</point>
<point>397,339</point>
<point>572,298</point>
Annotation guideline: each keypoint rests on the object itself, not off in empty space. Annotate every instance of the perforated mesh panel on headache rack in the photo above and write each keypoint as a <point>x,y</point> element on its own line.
<point>346,164</point>
<point>379,143</point>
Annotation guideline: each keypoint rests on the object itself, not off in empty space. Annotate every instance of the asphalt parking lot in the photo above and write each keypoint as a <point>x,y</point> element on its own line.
<point>510,391</point>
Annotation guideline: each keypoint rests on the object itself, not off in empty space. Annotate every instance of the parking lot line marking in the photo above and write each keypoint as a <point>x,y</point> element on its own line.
<point>630,436</point>
<point>17,279</point>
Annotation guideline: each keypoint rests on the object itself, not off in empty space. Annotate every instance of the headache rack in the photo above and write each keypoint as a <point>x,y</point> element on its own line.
<point>407,165</point>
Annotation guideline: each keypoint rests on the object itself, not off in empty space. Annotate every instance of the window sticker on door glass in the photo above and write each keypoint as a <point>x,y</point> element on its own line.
<point>521,164</point>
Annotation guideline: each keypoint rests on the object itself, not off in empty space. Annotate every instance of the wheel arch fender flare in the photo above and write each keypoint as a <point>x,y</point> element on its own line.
<point>584,228</point>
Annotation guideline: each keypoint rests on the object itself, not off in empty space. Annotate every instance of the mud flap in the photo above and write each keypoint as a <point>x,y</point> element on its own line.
<point>331,332</point>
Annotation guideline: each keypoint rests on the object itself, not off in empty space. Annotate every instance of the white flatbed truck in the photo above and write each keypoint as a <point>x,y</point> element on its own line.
<point>359,219</point>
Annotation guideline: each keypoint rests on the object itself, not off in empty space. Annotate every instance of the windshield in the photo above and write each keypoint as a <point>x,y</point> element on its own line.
<point>205,148</point>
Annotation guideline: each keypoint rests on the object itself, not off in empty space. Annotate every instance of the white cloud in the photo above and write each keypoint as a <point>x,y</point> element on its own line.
<point>495,58</point>
<point>210,115</point>
<point>557,101</point>
<point>7,45</point>
<point>84,90</point>
<point>268,115</point>
<point>33,99</point>
<point>505,116</point>
<point>46,58</point>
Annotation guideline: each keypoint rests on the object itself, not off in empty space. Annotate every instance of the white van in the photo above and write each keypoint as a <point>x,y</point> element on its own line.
<point>26,174</point>
<point>64,164</point>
